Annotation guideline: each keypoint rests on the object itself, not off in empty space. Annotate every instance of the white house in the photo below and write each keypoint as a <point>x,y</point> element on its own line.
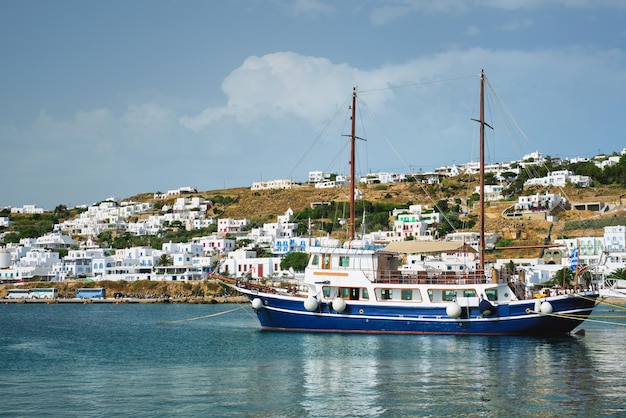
<point>560,178</point>
<point>272,184</point>
<point>27,209</point>
<point>214,244</point>
<point>545,201</point>
<point>615,238</point>
<point>231,226</point>
<point>242,264</point>
<point>492,191</point>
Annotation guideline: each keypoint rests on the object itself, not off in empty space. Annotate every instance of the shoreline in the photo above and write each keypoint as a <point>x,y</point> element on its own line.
<point>194,300</point>
<point>118,301</point>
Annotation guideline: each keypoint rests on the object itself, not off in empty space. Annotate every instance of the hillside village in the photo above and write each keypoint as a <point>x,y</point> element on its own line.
<point>241,222</point>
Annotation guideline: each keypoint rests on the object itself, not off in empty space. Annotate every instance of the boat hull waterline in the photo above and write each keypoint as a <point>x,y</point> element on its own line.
<point>285,313</point>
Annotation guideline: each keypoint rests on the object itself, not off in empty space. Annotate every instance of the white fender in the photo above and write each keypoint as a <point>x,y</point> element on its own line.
<point>257,303</point>
<point>453,310</point>
<point>546,308</point>
<point>339,305</point>
<point>310,304</point>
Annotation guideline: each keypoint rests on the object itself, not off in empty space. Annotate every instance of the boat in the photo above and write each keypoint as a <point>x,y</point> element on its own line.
<point>362,287</point>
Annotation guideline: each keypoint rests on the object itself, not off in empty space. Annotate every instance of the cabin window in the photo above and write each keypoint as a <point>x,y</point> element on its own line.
<point>364,294</point>
<point>492,294</point>
<point>326,291</point>
<point>448,295</point>
<point>469,293</point>
<point>430,295</point>
<point>325,261</point>
<point>386,294</point>
<point>345,292</point>
<point>406,294</point>
<point>316,260</point>
<point>344,261</point>
<point>354,293</point>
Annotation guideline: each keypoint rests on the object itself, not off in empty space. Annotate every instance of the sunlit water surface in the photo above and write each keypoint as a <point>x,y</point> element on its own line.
<point>136,360</point>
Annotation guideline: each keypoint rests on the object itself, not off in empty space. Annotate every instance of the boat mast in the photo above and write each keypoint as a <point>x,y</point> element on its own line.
<point>481,237</point>
<point>352,145</point>
<point>482,172</point>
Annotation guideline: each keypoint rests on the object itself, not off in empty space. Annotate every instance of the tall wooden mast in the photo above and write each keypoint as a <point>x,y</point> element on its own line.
<point>481,121</point>
<point>352,157</point>
<point>482,172</point>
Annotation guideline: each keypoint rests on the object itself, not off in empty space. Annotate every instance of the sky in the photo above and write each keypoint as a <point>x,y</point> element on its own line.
<point>114,98</point>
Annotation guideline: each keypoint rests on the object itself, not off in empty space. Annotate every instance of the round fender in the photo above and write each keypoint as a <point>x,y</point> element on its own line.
<point>486,308</point>
<point>339,305</point>
<point>453,310</point>
<point>310,304</point>
<point>257,303</point>
<point>546,308</point>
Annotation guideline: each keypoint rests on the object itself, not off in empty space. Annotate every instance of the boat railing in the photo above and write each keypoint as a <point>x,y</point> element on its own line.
<point>430,277</point>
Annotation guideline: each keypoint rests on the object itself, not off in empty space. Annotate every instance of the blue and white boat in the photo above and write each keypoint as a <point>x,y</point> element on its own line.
<point>359,287</point>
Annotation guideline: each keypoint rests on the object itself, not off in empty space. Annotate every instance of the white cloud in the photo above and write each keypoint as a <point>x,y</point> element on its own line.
<point>277,85</point>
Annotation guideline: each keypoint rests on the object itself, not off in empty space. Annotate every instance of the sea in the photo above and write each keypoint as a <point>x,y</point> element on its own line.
<point>213,360</point>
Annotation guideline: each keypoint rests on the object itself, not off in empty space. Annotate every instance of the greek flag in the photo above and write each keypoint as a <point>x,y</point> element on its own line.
<point>573,259</point>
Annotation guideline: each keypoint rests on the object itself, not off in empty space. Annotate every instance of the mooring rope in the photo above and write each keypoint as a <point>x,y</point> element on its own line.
<point>579,317</point>
<point>201,317</point>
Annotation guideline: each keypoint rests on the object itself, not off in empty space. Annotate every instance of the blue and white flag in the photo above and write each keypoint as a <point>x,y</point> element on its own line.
<point>573,259</point>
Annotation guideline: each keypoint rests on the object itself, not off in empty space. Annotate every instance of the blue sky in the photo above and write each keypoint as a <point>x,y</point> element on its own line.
<point>113,98</point>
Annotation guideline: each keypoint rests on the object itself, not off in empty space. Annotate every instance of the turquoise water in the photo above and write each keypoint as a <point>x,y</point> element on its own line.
<point>135,360</point>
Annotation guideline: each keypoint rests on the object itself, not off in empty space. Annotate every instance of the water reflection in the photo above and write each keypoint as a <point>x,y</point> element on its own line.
<point>408,375</point>
<point>340,376</point>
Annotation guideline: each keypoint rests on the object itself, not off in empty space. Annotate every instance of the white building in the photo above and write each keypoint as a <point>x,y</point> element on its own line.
<point>545,201</point>
<point>214,244</point>
<point>472,239</point>
<point>54,241</point>
<point>193,248</point>
<point>231,226</point>
<point>273,184</point>
<point>414,222</point>
<point>615,238</point>
<point>492,191</point>
<point>27,209</point>
<point>242,264</point>
<point>191,204</point>
<point>318,176</point>
<point>559,179</point>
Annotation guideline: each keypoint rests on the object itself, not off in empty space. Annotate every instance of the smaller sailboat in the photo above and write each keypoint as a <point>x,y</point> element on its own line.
<point>361,287</point>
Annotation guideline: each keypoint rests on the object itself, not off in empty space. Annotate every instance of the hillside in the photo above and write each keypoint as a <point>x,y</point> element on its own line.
<point>264,206</point>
